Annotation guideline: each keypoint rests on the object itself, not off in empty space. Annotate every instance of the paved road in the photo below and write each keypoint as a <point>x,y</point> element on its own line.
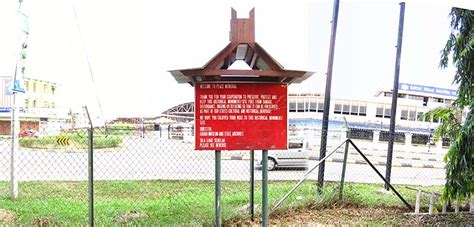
<point>154,158</point>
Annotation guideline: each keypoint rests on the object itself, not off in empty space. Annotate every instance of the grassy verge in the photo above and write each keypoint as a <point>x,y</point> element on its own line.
<point>171,202</point>
<point>75,140</point>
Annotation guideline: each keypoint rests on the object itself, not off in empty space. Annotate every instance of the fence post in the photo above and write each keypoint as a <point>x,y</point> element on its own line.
<point>471,206</point>
<point>90,157</point>
<point>264,188</point>
<point>217,182</point>
<point>344,164</point>
<point>252,184</point>
<point>417,203</point>
<point>456,205</point>
<point>432,202</point>
<point>91,176</point>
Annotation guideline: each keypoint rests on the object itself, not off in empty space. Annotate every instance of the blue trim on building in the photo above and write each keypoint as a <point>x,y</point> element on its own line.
<point>363,126</point>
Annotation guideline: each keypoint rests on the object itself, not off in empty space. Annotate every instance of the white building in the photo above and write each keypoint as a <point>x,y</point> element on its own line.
<point>38,106</point>
<point>373,115</point>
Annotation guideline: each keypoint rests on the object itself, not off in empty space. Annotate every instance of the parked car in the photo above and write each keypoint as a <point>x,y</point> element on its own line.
<point>295,157</point>
<point>29,133</point>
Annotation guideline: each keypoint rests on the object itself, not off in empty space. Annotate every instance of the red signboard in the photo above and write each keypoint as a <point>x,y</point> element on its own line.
<point>241,116</point>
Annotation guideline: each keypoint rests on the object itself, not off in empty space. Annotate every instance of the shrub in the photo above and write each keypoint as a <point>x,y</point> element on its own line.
<point>27,141</point>
<point>121,129</point>
<point>107,142</point>
<point>76,140</point>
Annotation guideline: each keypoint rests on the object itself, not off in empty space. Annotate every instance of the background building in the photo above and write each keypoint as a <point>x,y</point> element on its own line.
<point>38,106</point>
<point>368,119</point>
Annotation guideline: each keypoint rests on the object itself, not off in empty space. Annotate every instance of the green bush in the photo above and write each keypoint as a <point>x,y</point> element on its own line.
<point>28,141</point>
<point>107,142</point>
<point>121,129</point>
<point>76,140</point>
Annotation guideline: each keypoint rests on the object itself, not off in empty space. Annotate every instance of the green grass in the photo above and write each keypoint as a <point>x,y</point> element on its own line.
<point>77,140</point>
<point>170,202</point>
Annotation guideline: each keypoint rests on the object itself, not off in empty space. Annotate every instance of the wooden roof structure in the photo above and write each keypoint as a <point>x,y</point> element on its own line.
<point>242,46</point>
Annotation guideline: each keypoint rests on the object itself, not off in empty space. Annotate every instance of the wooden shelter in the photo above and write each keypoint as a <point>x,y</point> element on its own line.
<point>242,46</point>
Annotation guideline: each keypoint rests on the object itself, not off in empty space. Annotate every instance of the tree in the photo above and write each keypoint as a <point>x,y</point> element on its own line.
<point>459,159</point>
<point>459,171</point>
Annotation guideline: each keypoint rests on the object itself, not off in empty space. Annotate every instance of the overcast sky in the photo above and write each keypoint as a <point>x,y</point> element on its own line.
<point>131,45</point>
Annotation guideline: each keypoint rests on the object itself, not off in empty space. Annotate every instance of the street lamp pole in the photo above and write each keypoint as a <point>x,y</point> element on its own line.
<point>327,95</point>
<point>393,110</point>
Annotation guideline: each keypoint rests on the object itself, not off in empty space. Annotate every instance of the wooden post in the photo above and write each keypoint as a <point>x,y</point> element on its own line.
<point>432,202</point>
<point>445,207</point>
<point>456,205</point>
<point>471,206</point>
<point>417,204</point>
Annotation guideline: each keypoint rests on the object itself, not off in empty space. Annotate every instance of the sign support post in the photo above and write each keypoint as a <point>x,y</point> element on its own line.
<point>252,183</point>
<point>264,188</point>
<point>15,128</point>
<point>218,189</point>
<point>230,104</point>
<point>17,87</point>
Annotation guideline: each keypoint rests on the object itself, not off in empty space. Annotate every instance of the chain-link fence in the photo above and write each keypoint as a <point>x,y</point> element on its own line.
<point>152,172</point>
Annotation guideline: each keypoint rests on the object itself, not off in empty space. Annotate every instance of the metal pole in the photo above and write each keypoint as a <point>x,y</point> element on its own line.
<point>305,177</point>
<point>344,164</point>
<point>218,189</point>
<point>91,176</point>
<point>391,134</point>
<point>264,188</point>
<point>380,175</point>
<point>90,167</point>
<point>252,184</point>
<point>327,96</point>
<point>15,128</point>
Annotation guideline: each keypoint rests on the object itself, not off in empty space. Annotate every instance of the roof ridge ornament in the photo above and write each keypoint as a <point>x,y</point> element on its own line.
<point>242,30</point>
<point>242,47</point>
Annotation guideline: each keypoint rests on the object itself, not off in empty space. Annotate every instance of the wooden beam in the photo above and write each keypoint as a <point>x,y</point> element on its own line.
<point>248,56</point>
<point>240,72</point>
<point>224,53</point>
<point>265,56</point>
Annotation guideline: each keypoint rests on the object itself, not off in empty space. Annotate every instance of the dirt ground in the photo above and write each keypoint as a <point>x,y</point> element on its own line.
<point>335,215</point>
<point>6,216</point>
<point>346,214</point>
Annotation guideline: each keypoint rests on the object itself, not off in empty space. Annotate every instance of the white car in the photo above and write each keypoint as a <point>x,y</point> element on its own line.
<point>295,157</point>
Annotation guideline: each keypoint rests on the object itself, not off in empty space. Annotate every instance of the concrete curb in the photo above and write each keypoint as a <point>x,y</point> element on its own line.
<point>397,156</point>
<point>358,161</point>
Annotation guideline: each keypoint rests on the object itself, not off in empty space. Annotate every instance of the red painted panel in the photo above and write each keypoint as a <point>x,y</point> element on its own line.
<point>241,116</point>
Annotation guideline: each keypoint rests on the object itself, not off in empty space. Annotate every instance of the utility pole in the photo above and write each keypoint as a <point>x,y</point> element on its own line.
<point>391,134</point>
<point>327,95</point>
